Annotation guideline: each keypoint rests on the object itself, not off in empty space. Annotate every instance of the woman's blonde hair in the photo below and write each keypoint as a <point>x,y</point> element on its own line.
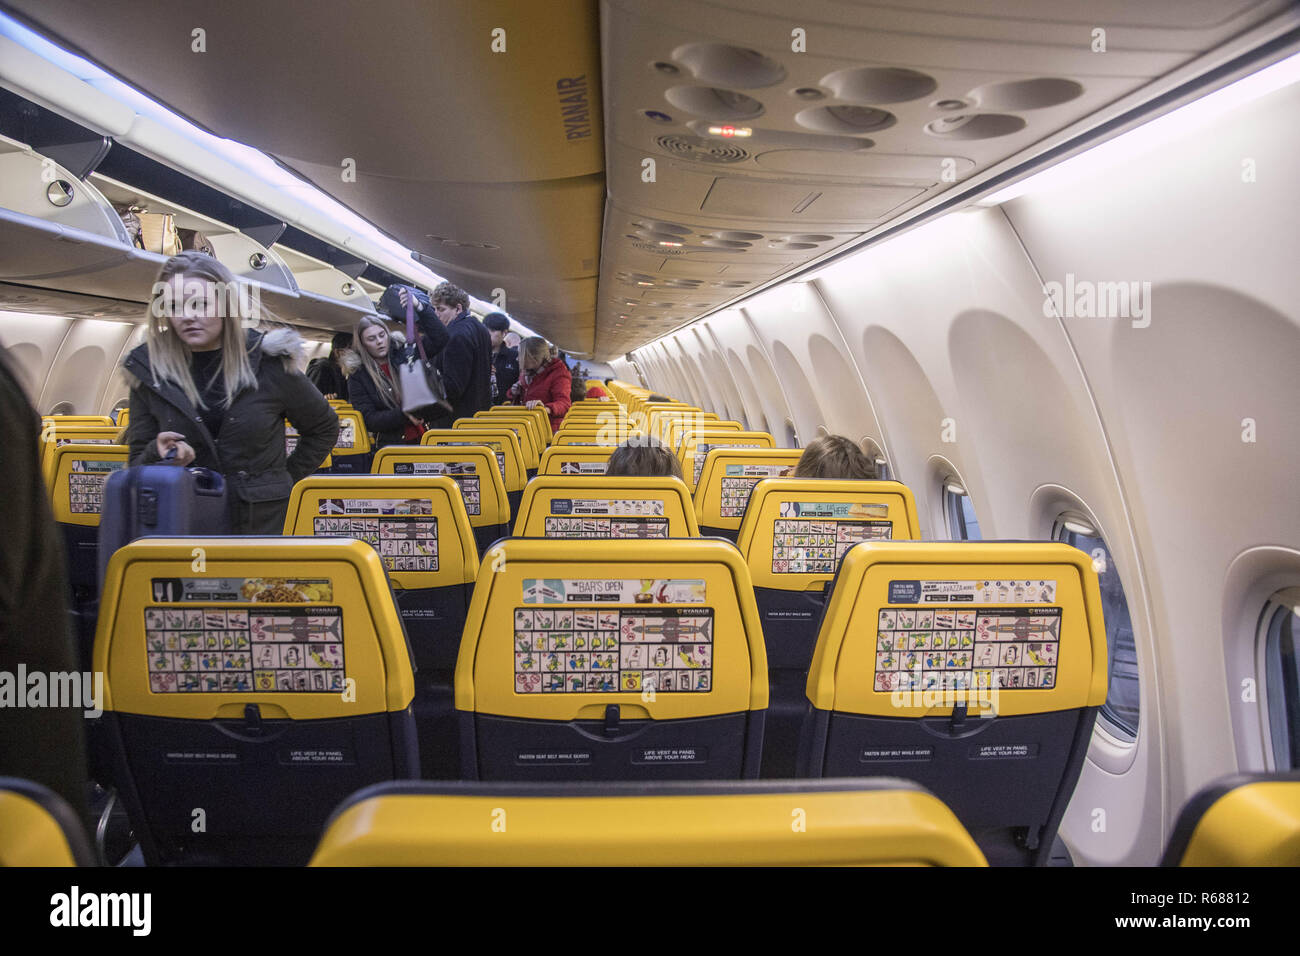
<point>169,356</point>
<point>536,348</point>
<point>390,389</point>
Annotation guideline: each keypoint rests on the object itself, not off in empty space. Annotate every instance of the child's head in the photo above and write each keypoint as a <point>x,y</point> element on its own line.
<point>834,456</point>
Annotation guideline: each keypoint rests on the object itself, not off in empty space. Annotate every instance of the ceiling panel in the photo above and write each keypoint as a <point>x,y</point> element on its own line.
<point>832,118</point>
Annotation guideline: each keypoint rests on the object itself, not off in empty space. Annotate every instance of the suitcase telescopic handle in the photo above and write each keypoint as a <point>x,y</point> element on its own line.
<point>208,482</point>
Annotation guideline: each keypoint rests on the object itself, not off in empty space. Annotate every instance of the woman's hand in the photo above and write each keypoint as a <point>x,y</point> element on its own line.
<point>414,421</point>
<point>533,403</point>
<point>166,441</point>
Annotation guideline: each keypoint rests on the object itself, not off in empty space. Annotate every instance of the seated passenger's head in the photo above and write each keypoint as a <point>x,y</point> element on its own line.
<point>834,456</point>
<point>579,390</point>
<point>643,458</point>
<point>449,301</point>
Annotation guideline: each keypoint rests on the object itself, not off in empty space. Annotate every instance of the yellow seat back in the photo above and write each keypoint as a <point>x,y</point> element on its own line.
<point>562,459</point>
<point>523,430</point>
<point>541,434</point>
<point>727,478</point>
<point>796,530</point>
<point>238,667</point>
<point>77,421</point>
<point>699,442</point>
<point>974,668</point>
<point>77,475</point>
<point>677,430</point>
<point>416,523</point>
<point>474,468</point>
<point>591,437</point>
<point>55,434</point>
<point>291,442</point>
<point>655,641</point>
<point>602,507</point>
<point>353,438</point>
<point>541,414</point>
<point>504,443</point>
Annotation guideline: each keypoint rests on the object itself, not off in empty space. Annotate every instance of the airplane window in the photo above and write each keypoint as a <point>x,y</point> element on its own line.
<point>962,523</point>
<point>1281,632</point>
<point>62,408</point>
<point>1122,694</point>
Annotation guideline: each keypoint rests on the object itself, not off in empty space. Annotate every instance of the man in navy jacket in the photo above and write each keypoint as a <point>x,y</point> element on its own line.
<point>505,360</point>
<point>466,360</point>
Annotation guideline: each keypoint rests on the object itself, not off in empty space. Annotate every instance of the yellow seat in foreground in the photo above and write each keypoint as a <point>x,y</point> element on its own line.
<point>1248,819</point>
<point>38,828</point>
<point>872,822</point>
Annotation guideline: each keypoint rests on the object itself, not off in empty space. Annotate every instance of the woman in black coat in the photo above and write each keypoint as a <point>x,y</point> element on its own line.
<point>373,387</point>
<point>220,394</point>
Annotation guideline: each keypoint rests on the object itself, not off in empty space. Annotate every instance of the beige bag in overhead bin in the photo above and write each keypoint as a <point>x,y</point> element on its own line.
<point>158,233</point>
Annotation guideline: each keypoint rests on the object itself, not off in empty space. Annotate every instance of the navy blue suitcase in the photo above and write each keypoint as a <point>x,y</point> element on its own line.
<point>160,499</point>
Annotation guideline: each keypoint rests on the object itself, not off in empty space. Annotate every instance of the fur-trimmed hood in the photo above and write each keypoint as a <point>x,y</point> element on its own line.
<point>286,343</point>
<point>283,343</point>
<point>351,360</point>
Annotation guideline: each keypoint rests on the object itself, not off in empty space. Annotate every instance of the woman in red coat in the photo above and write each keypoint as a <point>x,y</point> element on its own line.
<point>543,380</point>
